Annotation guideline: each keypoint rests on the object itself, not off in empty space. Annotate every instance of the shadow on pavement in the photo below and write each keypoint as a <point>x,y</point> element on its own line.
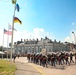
<point>61,67</point>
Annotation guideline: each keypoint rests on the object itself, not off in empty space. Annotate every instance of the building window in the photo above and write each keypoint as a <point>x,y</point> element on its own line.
<point>29,49</point>
<point>32,49</point>
<point>40,49</point>
<point>49,49</point>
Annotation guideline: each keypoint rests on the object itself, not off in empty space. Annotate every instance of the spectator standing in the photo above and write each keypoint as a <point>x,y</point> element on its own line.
<point>14,57</point>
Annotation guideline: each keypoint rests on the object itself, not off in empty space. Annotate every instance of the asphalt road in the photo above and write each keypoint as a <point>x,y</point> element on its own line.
<point>25,68</point>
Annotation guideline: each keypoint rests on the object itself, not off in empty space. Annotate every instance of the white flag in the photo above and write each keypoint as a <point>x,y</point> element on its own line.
<point>10,27</point>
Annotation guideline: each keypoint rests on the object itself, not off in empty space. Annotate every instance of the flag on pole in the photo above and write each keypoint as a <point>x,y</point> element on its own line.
<point>7,32</point>
<point>17,7</point>
<point>17,20</point>
<point>10,27</point>
<point>14,1</point>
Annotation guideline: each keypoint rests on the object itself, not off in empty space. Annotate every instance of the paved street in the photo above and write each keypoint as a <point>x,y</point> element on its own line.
<point>25,68</point>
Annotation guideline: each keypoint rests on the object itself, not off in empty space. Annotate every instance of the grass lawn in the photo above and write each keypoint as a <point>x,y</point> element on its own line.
<point>7,68</point>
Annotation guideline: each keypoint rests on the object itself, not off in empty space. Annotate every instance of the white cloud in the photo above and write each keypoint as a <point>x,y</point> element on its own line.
<point>70,38</point>
<point>41,33</point>
<point>36,33</point>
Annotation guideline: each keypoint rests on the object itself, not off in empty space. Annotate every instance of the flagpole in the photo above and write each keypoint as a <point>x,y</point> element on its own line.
<point>12,33</point>
<point>7,41</point>
<point>2,43</point>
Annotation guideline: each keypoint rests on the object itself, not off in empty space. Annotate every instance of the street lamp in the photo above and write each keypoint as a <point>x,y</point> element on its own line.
<point>74,37</point>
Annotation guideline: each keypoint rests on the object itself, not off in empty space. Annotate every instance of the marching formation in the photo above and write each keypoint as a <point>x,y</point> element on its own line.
<point>52,59</point>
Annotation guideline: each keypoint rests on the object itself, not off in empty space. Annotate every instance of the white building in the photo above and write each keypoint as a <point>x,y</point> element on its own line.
<point>36,46</point>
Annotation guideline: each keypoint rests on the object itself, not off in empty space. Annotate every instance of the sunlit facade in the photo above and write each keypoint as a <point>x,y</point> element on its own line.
<point>36,46</point>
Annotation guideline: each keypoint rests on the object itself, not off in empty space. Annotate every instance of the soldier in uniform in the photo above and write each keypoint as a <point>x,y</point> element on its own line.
<point>53,60</point>
<point>44,61</point>
<point>66,59</point>
<point>75,57</point>
<point>71,58</point>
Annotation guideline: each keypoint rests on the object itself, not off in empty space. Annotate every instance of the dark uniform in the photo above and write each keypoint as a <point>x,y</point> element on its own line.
<point>66,59</point>
<point>71,58</point>
<point>14,57</point>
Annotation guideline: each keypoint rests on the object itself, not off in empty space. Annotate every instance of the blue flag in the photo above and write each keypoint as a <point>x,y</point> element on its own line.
<point>17,7</point>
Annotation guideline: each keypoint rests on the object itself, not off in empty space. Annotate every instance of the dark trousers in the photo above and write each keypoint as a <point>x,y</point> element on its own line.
<point>53,63</point>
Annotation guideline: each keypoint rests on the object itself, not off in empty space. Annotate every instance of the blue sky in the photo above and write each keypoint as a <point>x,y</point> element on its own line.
<point>57,18</point>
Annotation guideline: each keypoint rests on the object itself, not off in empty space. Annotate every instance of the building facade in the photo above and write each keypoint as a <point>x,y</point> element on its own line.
<point>36,46</point>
